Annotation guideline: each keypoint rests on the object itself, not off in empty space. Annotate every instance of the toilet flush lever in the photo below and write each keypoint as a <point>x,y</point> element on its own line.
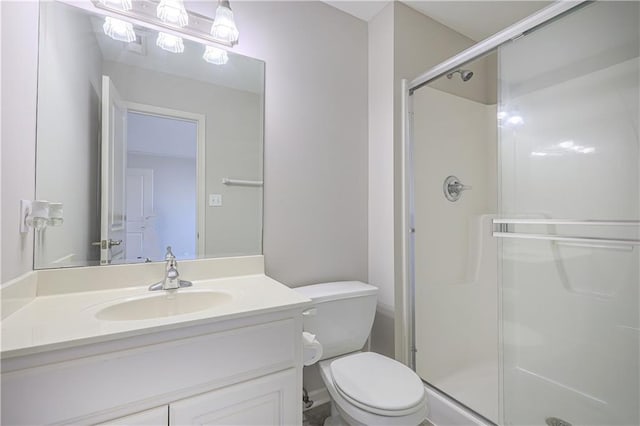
<point>310,312</point>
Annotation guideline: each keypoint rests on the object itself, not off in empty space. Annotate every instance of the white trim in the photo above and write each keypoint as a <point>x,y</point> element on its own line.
<point>481,48</point>
<point>404,314</point>
<point>200,120</point>
<point>443,411</point>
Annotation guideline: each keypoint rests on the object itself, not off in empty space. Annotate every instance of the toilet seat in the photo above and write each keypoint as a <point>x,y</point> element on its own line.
<point>377,384</point>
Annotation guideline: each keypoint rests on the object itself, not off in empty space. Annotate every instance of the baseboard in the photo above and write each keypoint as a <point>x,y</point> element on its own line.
<point>319,397</point>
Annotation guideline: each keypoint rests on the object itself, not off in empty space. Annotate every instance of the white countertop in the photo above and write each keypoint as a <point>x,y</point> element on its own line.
<point>68,320</point>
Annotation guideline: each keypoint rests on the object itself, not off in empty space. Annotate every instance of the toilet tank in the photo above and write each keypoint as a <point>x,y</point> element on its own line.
<point>343,317</point>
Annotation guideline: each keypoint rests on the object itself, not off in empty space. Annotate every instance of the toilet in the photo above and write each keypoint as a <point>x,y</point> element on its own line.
<point>366,388</point>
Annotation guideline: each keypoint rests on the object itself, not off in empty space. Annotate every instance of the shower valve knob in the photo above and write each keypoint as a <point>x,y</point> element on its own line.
<point>453,188</point>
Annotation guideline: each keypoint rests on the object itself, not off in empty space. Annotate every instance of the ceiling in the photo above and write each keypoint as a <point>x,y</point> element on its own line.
<point>474,19</point>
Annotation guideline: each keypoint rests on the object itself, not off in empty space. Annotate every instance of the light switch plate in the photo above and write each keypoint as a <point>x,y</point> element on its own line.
<point>215,200</point>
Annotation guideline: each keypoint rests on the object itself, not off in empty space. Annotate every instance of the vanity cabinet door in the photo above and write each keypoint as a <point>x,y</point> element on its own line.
<point>158,416</point>
<point>269,400</point>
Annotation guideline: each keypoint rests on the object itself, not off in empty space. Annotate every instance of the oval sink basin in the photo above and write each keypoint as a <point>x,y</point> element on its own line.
<point>162,305</point>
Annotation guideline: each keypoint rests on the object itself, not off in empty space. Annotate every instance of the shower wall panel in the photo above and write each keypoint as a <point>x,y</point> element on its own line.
<point>456,301</point>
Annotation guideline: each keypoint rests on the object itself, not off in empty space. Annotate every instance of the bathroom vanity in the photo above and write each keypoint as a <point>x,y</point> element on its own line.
<point>85,357</point>
<point>86,344</point>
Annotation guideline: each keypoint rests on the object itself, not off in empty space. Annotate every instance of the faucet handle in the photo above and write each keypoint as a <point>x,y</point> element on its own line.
<point>172,273</point>
<point>169,255</point>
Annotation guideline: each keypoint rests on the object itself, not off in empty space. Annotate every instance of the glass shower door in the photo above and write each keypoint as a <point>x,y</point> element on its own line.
<point>569,220</point>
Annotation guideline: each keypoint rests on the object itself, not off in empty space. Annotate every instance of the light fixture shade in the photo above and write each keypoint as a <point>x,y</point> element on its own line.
<point>173,12</point>
<point>224,27</point>
<point>118,29</point>
<point>170,43</point>
<point>118,4</point>
<point>216,56</point>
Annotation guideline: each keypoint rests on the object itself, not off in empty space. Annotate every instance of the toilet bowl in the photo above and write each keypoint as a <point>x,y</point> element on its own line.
<point>370,389</point>
<point>366,388</point>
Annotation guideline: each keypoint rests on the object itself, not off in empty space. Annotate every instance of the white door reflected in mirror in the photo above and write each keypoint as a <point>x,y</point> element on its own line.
<point>113,167</point>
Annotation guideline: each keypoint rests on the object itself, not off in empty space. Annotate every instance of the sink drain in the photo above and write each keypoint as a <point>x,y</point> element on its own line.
<point>554,421</point>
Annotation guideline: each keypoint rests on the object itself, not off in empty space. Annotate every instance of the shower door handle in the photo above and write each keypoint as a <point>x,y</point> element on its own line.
<point>502,231</point>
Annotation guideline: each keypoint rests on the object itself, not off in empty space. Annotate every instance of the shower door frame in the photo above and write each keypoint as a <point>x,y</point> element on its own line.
<point>406,315</point>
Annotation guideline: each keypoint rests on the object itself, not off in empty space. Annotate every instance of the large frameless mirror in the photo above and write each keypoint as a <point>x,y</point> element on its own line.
<point>144,144</point>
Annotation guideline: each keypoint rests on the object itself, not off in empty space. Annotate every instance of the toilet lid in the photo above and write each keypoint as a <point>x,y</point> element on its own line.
<point>376,382</point>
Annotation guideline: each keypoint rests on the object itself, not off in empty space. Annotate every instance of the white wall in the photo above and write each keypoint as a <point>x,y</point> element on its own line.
<point>69,93</point>
<point>19,61</point>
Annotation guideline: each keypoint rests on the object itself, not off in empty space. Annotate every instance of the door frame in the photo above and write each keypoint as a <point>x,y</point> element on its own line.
<point>200,120</point>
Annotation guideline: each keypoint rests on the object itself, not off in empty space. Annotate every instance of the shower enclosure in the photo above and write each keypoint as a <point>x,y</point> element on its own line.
<point>523,220</point>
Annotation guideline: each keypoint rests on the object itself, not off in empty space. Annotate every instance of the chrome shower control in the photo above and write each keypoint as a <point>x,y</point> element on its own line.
<point>453,188</point>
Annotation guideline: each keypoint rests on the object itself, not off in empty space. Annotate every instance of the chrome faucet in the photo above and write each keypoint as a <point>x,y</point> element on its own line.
<point>172,279</point>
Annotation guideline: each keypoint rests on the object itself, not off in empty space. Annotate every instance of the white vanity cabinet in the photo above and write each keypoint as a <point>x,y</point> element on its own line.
<point>270,400</point>
<point>154,417</point>
<point>241,371</point>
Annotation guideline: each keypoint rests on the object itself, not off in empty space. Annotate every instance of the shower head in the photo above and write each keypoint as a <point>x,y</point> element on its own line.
<point>465,75</point>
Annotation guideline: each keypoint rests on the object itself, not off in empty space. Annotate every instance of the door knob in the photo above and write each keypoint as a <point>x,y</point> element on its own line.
<point>105,244</point>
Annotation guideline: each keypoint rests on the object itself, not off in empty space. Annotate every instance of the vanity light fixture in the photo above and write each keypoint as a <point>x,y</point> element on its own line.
<point>224,27</point>
<point>170,43</point>
<point>216,56</point>
<point>118,29</point>
<point>173,12</point>
<point>171,15</point>
<point>119,4</point>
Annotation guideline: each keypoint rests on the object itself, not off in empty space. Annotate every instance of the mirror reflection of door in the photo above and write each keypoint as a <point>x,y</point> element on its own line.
<point>162,183</point>
<point>141,233</point>
<point>114,163</point>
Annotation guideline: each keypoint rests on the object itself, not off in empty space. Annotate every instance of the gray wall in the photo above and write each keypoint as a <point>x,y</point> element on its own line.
<point>19,26</point>
<point>315,207</point>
